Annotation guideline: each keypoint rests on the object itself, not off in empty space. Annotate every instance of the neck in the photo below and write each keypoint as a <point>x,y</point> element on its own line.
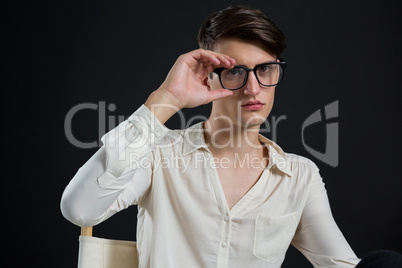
<point>226,139</point>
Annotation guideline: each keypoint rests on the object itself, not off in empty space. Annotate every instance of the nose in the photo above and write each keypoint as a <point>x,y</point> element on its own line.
<point>252,87</point>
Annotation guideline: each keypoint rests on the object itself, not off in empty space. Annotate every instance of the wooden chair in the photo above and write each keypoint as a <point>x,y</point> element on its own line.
<point>97,252</point>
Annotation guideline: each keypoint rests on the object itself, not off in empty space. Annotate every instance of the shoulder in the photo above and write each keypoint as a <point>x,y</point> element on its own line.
<point>182,141</point>
<point>300,165</point>
<point>298,159</point>
<point>289,163</point>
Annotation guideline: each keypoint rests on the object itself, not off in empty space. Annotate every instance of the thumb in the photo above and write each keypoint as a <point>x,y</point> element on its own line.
<point>219,94</point>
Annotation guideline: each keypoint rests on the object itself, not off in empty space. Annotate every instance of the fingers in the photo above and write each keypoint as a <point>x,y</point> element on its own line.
<point>213,59</point>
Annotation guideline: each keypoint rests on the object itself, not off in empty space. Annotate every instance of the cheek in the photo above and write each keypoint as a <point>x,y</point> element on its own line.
<point>214,82</point>
<point>271,96</point>
<point>269,100</point>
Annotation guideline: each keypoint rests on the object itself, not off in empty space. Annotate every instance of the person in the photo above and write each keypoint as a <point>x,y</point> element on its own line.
<point>216,194</point>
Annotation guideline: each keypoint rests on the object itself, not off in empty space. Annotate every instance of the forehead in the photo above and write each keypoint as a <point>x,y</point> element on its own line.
<point>248,53</point>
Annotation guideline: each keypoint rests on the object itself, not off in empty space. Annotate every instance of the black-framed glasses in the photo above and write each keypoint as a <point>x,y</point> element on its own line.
<point>268,75</point>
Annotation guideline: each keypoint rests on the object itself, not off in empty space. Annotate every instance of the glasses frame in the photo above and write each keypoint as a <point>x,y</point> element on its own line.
<point>283,64</point>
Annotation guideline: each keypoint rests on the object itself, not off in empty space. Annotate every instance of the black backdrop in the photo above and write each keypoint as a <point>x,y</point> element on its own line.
<point>60,55</point>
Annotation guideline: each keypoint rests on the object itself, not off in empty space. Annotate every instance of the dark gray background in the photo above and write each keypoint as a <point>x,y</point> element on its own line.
<point>57,55</point>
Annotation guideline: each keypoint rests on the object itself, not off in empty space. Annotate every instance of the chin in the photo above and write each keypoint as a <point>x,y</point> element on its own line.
<point>253,122</point>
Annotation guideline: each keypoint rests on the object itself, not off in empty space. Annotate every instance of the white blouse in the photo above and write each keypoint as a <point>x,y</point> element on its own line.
<point>183,217</point>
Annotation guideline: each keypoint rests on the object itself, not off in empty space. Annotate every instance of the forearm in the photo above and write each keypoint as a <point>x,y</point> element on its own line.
<point>84,202</point>
<point>318,237</point>
<point>163,105</point>
<point>93,194</point>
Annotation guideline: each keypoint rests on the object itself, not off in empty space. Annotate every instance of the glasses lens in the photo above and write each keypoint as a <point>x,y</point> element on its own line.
<point>270,74</point>
<point>233,78</point>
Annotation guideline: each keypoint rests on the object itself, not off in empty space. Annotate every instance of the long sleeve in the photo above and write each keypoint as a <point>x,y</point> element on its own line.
<point>318,236</point>
<point>110,181</point>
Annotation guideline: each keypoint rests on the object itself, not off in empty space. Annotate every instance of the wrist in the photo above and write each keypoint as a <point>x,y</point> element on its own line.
<point>162,104</point>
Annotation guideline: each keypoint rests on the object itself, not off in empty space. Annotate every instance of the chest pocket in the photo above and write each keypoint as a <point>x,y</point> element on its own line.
<point>273,236</point>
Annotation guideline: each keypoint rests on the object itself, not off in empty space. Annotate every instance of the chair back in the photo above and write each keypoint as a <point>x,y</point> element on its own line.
<point>97,252</point>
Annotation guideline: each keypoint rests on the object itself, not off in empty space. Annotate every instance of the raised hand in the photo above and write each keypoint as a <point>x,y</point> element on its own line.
<point>186,83</point>
<point>187,80</point>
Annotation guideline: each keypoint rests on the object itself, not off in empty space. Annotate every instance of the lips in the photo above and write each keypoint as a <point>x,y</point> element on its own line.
<point>253,105</point>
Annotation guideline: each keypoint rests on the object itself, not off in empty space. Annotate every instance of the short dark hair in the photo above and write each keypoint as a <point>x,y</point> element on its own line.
<point>244,23</point>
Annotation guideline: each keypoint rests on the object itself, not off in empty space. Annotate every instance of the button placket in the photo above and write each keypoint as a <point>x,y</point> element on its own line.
<point>224,238</point>
<point>223,252</point>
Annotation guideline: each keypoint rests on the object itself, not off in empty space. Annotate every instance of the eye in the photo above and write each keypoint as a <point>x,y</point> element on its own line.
<point>264,69</point>
<point>234,72</point>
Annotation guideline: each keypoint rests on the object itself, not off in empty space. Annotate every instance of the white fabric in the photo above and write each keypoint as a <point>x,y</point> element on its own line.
<point>106,253</point>
<point>183,217</point>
